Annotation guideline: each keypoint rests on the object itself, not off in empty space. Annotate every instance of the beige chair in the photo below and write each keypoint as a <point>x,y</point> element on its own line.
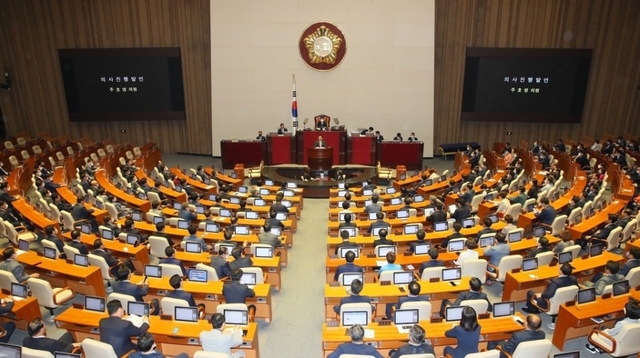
<point>474,268</point>
<point>506,264</point>
<point>70,252</point>
<point>562,295</point>
<point>544,258</point>
<point>388,275</point>
<point>537,348</point>
<point>475,203</point>
<point>514,211</point>
<point>203,354</point>
<point>624,344</point>
<point>634,277</point>
<point>431,272</point>
<point>95,348</point>
<point>629,230</point>
<point>15,236</point>
<point>14,161</point>
<point>261,277</point>
<point>99,261</point>
<point>51,245</point>
<point>49,298</point>
<point>480,306</point>
<point>571,219</point>
<point>55,213</point>
<point>6,279</point>
<point>254,172</point>
<point>157,246</point>
<point>9,145</point>
<point>212,274</point>
<point>168,270</point>
<point>612,240</point>
<point>356,307</point>
<point>574,249</point>
<point>35,353</point>
<point>424,308</point>
<point>168,305</point>
<point>494,353</point>
<point>386,173</point>
<point>68,222</point>
<point>237,307</point>
<point>124,299</point>
<point>558,224</point>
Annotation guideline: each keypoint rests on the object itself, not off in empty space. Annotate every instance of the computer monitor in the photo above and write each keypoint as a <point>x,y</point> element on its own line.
<point>268,182</point>
<point>403,176</point>
<point>86,229</point>
<point>565,257</point>
<point>421,248</point>
<point>186,314</point>
<point>427,182</point>
<point>136,216</point>
<point>468,222</point>
<point>556,196</point>
<point>93,303</point>
<point>515,236</point>
<point>494,218</point>
<point>351,318</point>
<point>574,354</point>
<point>350,230</point>
<point>340,185</point>
<point>577,218</point>
<point>587,295</point>
<point>455,245</point>
<point>402,278</point>
<point>66,355</point>
<point>259,202</point>
<point>454,313</point>
<point>212,227</point>
<point>486,241</point>
<point>276,230</point>
<point>132,239</point>
<point>621,287</point>
<point>138,308</point>
<point>418,199</point>
<point>530,207</point>
<point>347,278</point>
<point>229,245</point>
<point>50,253</point>
<point>488,197</point>
<point>402,214</point>
<point>595,250</point>
<point>539,231</point>
<point>199,209</point>
<point>153,271</point>
<point>183,224</point>
<point>390,190</point>
<point>341,216</point>
<point>451,274</point>
<point>198,275</point>
<point>292,185</point>
<point>158,219</point>
<point>506,308</point>
<point>234,200</point>
<point>342,252</point>
<point>372,216</point>
<point>286,203</point>
<point>266,252</point>
<point>367,192</point>
<point>452,208</point>
<point>19,290</point>
<point>383,250</point>
<point>248,278</point>
<point>212,197</point>
<point>10,351</point>
<point>106,234</point>
<point>376,231</point>
<point>251,215</point>
<point>225,213</point>
<point>23,245</point>
<point>411,229</point>
<point>177,205</point>
<point>282,216</point>
<point>440,226</point>
<point>530,264</point>
<point>592,212</point>
<point>428,211</point>
<point>264,191</point>
<point>396,201</point>
<point>367,203</point>
<point>243,189</point>
<point>81,260</point>
<point>206,181</point>
<point>443,177</point>
<point>288,193</point>
<point>236,317</point>
<point>194,247</point>
<point>99,205</point>
<point>406,317</point>
<point>242,230</point>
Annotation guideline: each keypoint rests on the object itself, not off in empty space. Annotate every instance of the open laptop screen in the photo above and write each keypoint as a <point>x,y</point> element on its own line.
<point>92,303</point>
<point>421,248</point>
<point>564,257</point>
<point>595,250</point>
<point>383,250</point>
<point>621,287</point>
<point>440,226</point>
<point>50,253</point>
<point>406,317</point>
<point>351,318</point>
<point>81,260</point>
<point>266,252</point>
<point>347,278</point>
<point>342,252</point>
<point>186,314</point>
<point>515,236</point>
<point>402,278</point>
<point>153,271</point>
<point>454,313</point>
<point>236,317</point>
<point>106,234</point>
<point>455,245</point>
<point>19,290</point>
<point>529,264</point>
<point>198,275</point>
<point>248,278</point>
<point>587,295</point>
<point>451,274</point>
<point>501,309</point>
<point>138,308</point>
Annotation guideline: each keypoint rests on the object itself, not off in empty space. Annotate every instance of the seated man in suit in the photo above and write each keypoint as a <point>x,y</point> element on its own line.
<point>278,206</point>
<point>632,316</point>
<point>474,294</point>
<point>417,344</point>
<point>176,282</point>
<point>117,331</point>
<point>547,214</point>
<point>531,332</point>
<point>320,143</point>
<point>356,346</point>
<point>633,261</point>
<point>187,213</point>
<point>462,212</point>
<point>433,262</point>
<point>236,292</point>
<point>610,276</point>
<point>6,306</point>
<point>344,234</point>
<point>38,339</point>
<point>354,297</point>
<point>564,279</point>
<point>147,348</point>
<point>160,233</point>
<point>348,267</point>
<point>260,137</point>
<point>111,261</point>
<point>457,226</point>
<point>420,235</point>
<point>239,259</point>
<point>12,265</point>
<point>321,123</point>
<point>124,286</point>
<point>413,296</point>
<point>602,234</point>
<point>192,237</point>
<point>220,264</point>
<point>497,251</point>
<point>379,223</point>
<point>110,223</point>
<point>170,252</point>
<point>438,215</point>
<point>267,237</point>
<point>130,229</point>
<point>76,244</point>
<point>79,212</point>
<point>374,207</point>
<point>51,233</point>
<point>382,239</point>
<point>486,228</point>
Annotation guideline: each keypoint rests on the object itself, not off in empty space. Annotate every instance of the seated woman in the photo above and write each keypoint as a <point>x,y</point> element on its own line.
<point>467,334</point>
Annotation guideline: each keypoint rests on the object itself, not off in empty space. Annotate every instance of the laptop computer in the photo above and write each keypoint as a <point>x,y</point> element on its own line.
<point>259,202</point>
<point>468,222</point>
<point>85,229</point>
<point>342,252</point>
<point>402,278</point>
<point>506,308</point>
<point>212,227</point>
<point>281,216</point>
<point>383,250</point>
<point>411,229</point>
<point>418,199</point>
<point>539,231</point>
<point>10,351</point>
<point>23,246</point>
<point>236,317</point>
<point>451,274</point>
<point>595,250</point>
<point>243,189</point>
<point>621,287</point>
<point>390,190</point>
<point>494,218</point>
<point>158,219</point>
<point>251,215</point>
<point>153,271</point>
<point>421,248</point>
<point>66,355</point>
<point>268,182</point>
<point>564,257</point>
<point>404,319</point>
<point>440,226</point>
<point>367,192</point>
<point>19,291</point>
<point>242,230</point>
<point>429,211</point>
<point>587,295</point>
<point>530,264</point>
<point>81,260</point>
<point>138,308</point>
<point>402,214</point>
<point>396,201</point>
<point>234,200</point>
<point>93,303</point>
<point>186,314</point>
<point>265,252</point>
<point>199,209</point>
<point>351,318</point>
<point>347,278</point>
<point>50,253</point>
<point>486,241</point>
<point>225,213</point>
<point>455,245</point>
<point>248,278</point>
<point>515,236</point>
<point>183,224</point>
<point>454,314</point>
<point>133,239</point>
<point>193,247</point>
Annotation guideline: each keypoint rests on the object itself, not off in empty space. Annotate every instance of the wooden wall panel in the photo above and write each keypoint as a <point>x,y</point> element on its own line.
<point>31,32</point>
<point>609,27</point>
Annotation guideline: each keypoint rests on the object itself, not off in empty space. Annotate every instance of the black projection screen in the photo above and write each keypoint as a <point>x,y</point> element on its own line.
<point>119,84</point>
<point>525,85</point>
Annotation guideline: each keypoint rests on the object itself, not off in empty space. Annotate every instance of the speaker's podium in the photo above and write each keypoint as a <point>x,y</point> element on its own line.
<point>320,159</point>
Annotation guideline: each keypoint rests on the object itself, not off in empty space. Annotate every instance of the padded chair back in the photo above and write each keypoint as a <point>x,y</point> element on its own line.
<point>71,252</point>
<point>417,355</point>
<point>480,306</point>
<point>34,353</point>
<point>231,306</point>
<point>388,275</point>
<point>537,348</point>
<point>55,213</point>
<point>212,274</point>
<point>507,264</point>
<point>475,268</point>
<point>168,270</point>
<point>574,249</point>
<point>424,308</point>
<point>99,261</point>
<point>67,220</point>
<point>614,238</point>
<point>431,272</point>
<point>158,244</point>
<point>42,290</point>
<point>557,226</point>
<point>633,276</point>
<point>169,304</point>
<point>357,307</point>
<point>153,196</point>
<point>626,341</point>
<point>124,299</point>
<point>529,202</point>
<point>494,353</point>
<point>561,296</point>
<point>573,214</point>
<point>95,348</point>
<point>514,211</point>
<point>257,271</point>
<point>629,229</point>
<point>51,245</point>
<point>203,354</point>
<point>586,208</point>
<point>544,258</point>
<point>6,279</point>
<point>476,201</point>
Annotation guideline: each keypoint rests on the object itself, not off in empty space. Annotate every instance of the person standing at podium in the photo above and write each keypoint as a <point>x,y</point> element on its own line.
<point>379,136</point>
<point>413,138</point>
<point>282,129</point>
<point>260,137</point>
<point>320,143</point>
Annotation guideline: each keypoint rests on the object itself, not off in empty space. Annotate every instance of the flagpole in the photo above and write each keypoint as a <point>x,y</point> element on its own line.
<point>294,108</point>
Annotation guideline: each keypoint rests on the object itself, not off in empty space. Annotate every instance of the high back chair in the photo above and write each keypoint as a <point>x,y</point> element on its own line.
<point>624,344</point>
<point>474,268</point>
<point>424,308</point>
<point>168,270</point>
<point>49,298</point>
<point>357,307</point>
<point>95,348</point>
<point>431,272</point>
<point>212,274</point>
<point>168,305</point>
<point>562,295</point>
<point>506,264</point>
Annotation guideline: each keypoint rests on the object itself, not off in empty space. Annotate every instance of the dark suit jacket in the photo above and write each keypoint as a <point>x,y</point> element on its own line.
<point>46,344</point>
<point>344,244</point>
<point>174,261</point>
<point>461,213</point>
<point>128,288</point>
<point>376,224</point>
<point>520,337</point>
<point>111,261</point>
<point>471,295</point>
<point>240,263</point>
<point>557,283</point>
<point>630,264</point>
<point>348,267</point>
<point>236,292</point>
<point>81,213</point>
<point>221,266</point>
<point>118,332</point>
<point>274,222</point>
<point>382,242</point>
<point>353,299</point>
<point>547,215</point>
<point>57,241</point>
<point>181,295</point>
<point>431,263</point>
<point>318,144</point>
<point>80,246</point>
<point>438,215</point>
<point>279,208</point>
<point>468,196</point>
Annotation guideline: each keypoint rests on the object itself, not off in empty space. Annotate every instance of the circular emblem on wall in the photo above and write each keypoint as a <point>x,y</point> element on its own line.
<point>322,46</point>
